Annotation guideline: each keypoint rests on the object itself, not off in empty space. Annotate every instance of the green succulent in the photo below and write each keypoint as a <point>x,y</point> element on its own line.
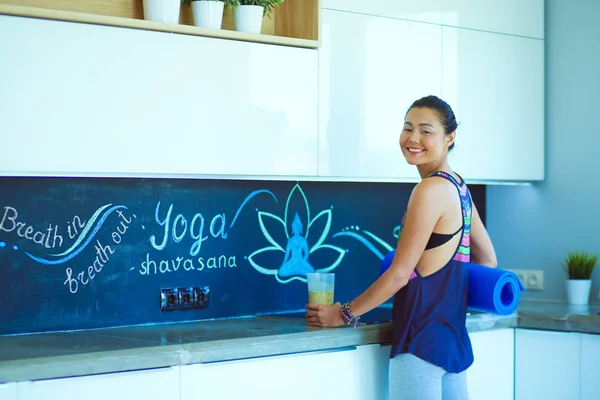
<point>579,264</point>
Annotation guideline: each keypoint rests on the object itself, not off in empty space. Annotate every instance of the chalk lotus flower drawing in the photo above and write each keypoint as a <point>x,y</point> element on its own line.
<point>296,243</point>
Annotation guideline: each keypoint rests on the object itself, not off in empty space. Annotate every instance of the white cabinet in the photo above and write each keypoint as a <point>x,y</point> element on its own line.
<point>495,84</point>
<point>380,356</point>
<point>371,69</point>
<point>590,373</point>
<point>82,99</point>
<point>344,374</point>
<point>414,10</point>
<point>517,17</point>
<point>155,384</point>
<point>491,377</point>
<point>548,365</point>
<point>8,391</point>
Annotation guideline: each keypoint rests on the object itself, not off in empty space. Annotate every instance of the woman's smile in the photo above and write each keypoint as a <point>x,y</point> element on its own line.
<point>415,150</point>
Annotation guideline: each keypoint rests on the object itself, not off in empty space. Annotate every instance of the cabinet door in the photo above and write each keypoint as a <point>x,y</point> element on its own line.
<point>321,375</point>
<point>8,391</point>
<point>495,84</point>
<point>381,370</point>
<point>548,365</point>
<point>156,384</point>
<point>517,17</point>
<point>590,373</point>
<point>414,10</point>
<point>491,377</point>
<point>371,70</point>
<point>81,99</point>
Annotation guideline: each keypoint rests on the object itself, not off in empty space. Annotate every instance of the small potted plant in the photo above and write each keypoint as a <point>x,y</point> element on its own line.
<point>207,13</point>
<point>248,14</point>
<point>162,11</point>
<point>579,267</point>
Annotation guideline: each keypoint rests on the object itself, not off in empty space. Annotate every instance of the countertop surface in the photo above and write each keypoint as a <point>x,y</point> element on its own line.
<point>75,353</point>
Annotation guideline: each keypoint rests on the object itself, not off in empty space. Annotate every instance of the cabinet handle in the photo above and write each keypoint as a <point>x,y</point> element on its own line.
<point>48,381</point>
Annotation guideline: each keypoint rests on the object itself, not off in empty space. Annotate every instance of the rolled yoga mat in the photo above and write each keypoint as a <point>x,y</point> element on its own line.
<point>491,290</point>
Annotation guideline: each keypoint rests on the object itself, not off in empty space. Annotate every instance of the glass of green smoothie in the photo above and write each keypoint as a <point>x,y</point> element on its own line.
<point>320,287</point>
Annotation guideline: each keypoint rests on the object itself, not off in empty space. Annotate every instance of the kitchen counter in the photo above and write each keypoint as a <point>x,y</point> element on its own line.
<point>76,353</point>
<point>559,317</point>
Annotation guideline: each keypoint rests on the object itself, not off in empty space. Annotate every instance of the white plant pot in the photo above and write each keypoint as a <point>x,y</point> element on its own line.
<point>578,291</point>
<point>162,10</point>
<point>248,18</point>
<point>208,14</point>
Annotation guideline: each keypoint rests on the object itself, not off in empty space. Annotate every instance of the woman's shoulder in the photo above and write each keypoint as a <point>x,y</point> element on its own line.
<point>434,187</point>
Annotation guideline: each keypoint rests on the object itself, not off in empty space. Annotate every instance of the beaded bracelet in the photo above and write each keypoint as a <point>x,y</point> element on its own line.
<point>347,315</point>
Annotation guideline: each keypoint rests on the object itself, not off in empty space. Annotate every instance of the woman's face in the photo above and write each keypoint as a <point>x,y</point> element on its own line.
<point>423,139</point>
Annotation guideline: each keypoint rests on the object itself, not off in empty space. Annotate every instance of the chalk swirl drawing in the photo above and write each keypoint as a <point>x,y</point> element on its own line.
<point>85,237</point>
<point>296,251</point>
<point>370,240</point>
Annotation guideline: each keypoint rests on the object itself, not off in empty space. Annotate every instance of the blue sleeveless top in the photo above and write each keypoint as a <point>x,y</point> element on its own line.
<point>429,314</point>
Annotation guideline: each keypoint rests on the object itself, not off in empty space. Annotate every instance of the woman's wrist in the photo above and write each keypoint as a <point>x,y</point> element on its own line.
<point>348,316</point>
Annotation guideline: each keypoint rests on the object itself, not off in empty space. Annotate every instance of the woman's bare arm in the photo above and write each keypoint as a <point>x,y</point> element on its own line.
<point>423,211</point>
<point>482,249</point>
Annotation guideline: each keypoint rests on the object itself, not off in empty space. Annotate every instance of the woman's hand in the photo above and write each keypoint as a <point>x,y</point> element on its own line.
<point>324,316</point>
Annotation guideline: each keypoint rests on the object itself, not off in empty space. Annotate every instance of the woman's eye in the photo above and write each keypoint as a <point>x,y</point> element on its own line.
<point>406,130</point>
<point>426,132</point>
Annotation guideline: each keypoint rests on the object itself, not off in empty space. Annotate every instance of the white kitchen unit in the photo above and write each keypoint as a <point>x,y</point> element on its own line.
<point>516,17</point>
<point>547,365</point>
<point>491,376</point>
<point>155,384</point>
<point>381,370</point>
<point>343,374</point>
<point>92,100</point>
<point>8,391</point>
<point>371,69</point>
<point>590,373</point>
<point>414,10</point>
<point>495,84</point>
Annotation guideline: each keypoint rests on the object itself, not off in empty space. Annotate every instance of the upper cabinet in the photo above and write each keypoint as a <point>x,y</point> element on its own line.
<point>83,98</point>
<point>495,84</point>
<point>414,10</point>
<point>371,69</point>
<point>375,60</point>
<point>515,17</point>
<point>80,99</point>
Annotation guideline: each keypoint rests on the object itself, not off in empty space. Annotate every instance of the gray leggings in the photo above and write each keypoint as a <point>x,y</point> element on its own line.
<point>412,378</point>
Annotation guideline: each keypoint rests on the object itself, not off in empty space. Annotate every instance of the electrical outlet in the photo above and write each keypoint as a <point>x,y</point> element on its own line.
<point>535,280</point>
<point>521,274</point>
<point>531,279</point>
<point>186,298</point>
<point>169,299</point>
<point>201,297</point>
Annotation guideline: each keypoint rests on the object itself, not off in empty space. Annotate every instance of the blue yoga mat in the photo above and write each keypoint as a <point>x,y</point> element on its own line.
<point>491,290</point>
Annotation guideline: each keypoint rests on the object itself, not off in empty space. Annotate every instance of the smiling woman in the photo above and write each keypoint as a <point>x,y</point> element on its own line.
<point>430,124</point>
<point>428,275</point>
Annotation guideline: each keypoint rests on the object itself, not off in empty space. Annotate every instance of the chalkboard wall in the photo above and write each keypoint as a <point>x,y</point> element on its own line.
<point>81,253</point>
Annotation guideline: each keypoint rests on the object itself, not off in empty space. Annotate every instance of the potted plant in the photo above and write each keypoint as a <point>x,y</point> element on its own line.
<point>579,267</point>
<point>162,11</point>
<point>207,13</point>
<point>248,14</point>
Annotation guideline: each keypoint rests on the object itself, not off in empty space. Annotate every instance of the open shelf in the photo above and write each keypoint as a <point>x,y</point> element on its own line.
<point>294,23</point>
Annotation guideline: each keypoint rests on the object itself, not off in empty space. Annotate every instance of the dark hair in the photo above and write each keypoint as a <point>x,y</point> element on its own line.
<point>444,111</point>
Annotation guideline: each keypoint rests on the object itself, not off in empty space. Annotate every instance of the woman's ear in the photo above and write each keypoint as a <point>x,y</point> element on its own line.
<point>450,139</point>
